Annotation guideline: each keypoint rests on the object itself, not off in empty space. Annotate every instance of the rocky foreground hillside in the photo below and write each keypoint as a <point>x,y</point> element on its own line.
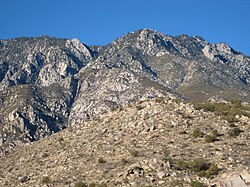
<point>157,142</point>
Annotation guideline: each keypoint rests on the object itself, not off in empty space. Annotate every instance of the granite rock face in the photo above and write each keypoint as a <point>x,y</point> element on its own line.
<point>48,84</point>
<point>37,86</point>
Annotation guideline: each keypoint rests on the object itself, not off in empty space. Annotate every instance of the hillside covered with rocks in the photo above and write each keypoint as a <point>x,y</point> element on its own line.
<point>157,142</point>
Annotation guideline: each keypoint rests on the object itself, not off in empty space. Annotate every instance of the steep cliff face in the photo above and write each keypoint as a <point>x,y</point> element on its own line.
<point>37,87</point>
<point>47,84</point>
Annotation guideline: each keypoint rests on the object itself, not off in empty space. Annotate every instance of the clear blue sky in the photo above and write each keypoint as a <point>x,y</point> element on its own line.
<point>101,21</point>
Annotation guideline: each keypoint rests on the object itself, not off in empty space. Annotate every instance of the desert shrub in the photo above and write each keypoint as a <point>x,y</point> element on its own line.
<point>232,125</point>
<point>139,107</point>
<point>201,173</point>
<point>177,100</point>
<point>234,132</point>
<point>80,184</point>
<point>92,185</point>
<point>183,132</point>
<point>212,170</point>
<point>198,165</point>
<point>175,183</point>
<point>215,133</point>
<point>124,161</point>
<point>201,167</point>
<point>228,111</point>
<point>210,138</point>
<point>134,152</point>
<point>60,139</point>
<point>197,184</point>
<point>45,180</point>
<point>159,99</point>
<point>181,165</point>
<point>101,160</point>
<point>230,118</point>
<point>196,133</point>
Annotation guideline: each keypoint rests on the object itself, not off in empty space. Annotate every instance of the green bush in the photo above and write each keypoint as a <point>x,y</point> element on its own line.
<point>92,185</point>
<point>176,183</point>
<point>101,160</point>
<point>212,170</point>
<point>159,99</point>
<point>228,111</point>
<point>45,180</point>
<point>215,133</point>
<point>181,165</point>
<point>139,107</point>
<point>201,167</point>
<point>210,138</point>
<point>198,165</point>
<point>197,184</point>
<point>80,184</point>
<point>196,133</point>
<point>60,139</point>
<point>201,173</point>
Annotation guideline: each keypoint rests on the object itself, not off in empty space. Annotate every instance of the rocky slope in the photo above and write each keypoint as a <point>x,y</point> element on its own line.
<point>146,143</point>
<point>182,63</point>
<point>48,84</point>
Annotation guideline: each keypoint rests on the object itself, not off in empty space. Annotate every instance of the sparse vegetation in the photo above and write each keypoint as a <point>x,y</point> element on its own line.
<point>159,99</point>
<point>101,160</point>
<point>196,133</point>
<point>92,185</point>
<point>215,133</point>
<point>124,161</point>
<point>60,139</point>
<point>201,167</point>
<point>197,184</point>
<point>234,132</point>
<point>175,183</point>
<point>45,180</point>
<point>80,184</point>
<point>228,110</point>
<point>210,138</point>
<point>212,170</point>
<point>139,107</point>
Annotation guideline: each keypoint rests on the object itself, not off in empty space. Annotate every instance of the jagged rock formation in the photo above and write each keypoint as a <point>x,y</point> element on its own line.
<point>190,65</point>
<point>37,86</point>
<point>146,143</point>
<point>47,84</point>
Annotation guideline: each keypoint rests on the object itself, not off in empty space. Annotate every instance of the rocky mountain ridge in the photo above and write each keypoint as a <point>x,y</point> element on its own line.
<point>48,84</point>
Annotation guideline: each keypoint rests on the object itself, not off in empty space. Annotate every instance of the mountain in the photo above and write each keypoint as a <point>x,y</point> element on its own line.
<point>48,84</point>
<point>152,142</point>
<point>37,86</point>
<point>188,65</point>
